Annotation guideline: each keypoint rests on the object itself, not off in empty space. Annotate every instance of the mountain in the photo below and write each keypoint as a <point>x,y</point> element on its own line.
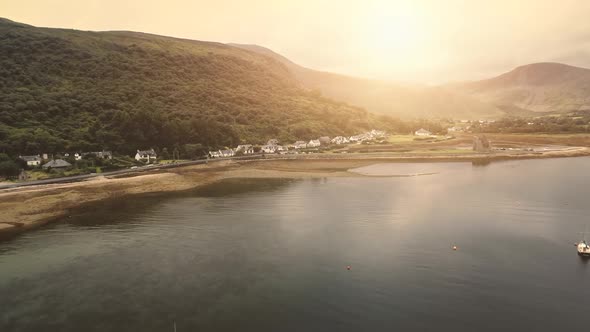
<point>538,87</point>
<point>526,90</point>
<point>406,101</point>
<point>69,90</point>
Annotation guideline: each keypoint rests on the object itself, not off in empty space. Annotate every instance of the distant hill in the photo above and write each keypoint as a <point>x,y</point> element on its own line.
<point>538,87</point>
<point>406,101</point>
<point>541,87</point>
<point>65,90</point>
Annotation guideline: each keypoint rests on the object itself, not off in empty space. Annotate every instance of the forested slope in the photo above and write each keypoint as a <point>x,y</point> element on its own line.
<point>66,90</point>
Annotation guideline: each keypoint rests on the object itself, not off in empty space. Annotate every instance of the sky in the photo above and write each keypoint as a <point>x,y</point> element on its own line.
<point>417,41</point>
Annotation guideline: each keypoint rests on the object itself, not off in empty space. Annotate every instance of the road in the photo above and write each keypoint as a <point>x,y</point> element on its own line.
<point>77,178</point>
<point>142,169</point>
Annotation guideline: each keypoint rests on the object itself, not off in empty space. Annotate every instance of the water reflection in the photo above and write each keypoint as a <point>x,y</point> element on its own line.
<point>270,255</point>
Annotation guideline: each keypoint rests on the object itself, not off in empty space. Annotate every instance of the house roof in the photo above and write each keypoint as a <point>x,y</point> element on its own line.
<point>30,158</point>
<point>422,130</point>
<point>57,163</point>
<point>150,152</point>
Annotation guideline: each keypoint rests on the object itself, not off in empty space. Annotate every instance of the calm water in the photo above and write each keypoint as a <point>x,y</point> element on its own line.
<point>271,255</point>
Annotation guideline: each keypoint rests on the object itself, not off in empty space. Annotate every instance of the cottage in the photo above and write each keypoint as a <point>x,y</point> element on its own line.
<point>269,148</point>
<point>33,161</point>
<point>146,155</point>
<point>300,145</point>
<point>214,154</point>
<point>77,156</point>
<point>227,153</point>
<point>245,149</point>
<point>422,132</point>
<point>57,163</point>
<point>377,133</point>
<point>314,143</point>
<point>340,140</point>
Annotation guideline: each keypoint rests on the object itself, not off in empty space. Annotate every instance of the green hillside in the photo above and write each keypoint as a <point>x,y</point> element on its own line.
<point>68,90</point>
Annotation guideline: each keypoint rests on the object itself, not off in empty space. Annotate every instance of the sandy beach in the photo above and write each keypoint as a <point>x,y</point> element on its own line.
<point>29,207</point>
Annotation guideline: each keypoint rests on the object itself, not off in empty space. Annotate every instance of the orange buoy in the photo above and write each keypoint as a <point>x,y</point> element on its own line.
<point>454,247</point>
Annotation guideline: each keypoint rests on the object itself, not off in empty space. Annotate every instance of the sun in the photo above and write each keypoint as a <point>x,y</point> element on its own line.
<point>393,31</point>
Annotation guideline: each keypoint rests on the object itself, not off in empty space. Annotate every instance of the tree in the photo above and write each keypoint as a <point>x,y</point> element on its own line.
<point>193,151</point>
<point>165,154</point>
<point>9,169</point>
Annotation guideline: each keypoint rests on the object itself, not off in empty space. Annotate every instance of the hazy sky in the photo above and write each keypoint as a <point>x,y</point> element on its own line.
<point>426,41</point>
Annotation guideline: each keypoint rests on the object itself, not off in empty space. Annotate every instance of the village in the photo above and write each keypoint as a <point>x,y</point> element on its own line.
<point>66,164</point>
<point>43,166</point>
<point>303,147</point>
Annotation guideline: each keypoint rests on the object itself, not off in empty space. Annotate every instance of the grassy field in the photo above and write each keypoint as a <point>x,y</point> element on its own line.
<point>400,138</point>
<point>538,139</point>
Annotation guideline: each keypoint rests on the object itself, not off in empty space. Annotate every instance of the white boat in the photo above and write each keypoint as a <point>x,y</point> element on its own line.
<point>583,249</point>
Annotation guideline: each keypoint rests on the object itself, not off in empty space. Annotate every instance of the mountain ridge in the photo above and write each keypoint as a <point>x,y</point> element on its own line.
<point>536,87</point>
<point>495,97</point>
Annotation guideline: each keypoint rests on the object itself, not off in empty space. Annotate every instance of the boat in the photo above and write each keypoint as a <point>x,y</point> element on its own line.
<point>583,247</point>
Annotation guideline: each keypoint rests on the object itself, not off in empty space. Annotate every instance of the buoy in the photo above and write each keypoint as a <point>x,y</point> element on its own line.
<point>454,247</point>
<point>348,267</point>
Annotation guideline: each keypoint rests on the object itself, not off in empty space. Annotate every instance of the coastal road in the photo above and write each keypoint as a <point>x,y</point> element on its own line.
<point>78,178</point>
<point>127,171</point>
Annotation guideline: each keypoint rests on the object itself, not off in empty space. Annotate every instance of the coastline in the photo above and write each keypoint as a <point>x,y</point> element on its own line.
<point>29,207</point>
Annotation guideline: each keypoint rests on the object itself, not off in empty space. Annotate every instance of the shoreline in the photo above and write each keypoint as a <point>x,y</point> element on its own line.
<point>26,208</point>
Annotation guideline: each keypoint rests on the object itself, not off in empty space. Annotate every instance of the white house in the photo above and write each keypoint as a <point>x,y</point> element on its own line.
<point>246,149</point>
<point>300,145</point>
<point>269,148</point>
<point>222,153</point>
<point>422,132</point>
<point>377,133</point>
<point>146,155</point>
<point>340,140</point>
<point>227,153</point>
<point>32,160</point>
<point>78,156</point>
<point>314,143</point>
